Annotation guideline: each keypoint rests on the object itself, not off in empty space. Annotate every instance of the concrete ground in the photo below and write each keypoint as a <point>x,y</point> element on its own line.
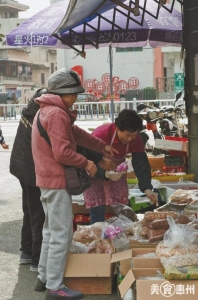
<point>16,281</point>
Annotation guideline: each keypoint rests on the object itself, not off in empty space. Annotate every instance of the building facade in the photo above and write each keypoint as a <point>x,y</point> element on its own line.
<point>22,69</point>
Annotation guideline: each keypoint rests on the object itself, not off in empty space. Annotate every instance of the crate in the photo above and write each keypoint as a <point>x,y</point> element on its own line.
<point>173,169</point>
<point>81,219</point>
<point>173,178</point>
<point>177,153</point>
<point>175,138</point>
<point>156,163</point>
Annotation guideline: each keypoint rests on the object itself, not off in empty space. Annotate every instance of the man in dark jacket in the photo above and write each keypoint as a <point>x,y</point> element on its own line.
<point>22,167</point>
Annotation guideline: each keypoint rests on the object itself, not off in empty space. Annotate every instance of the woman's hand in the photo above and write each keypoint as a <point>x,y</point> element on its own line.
<point>114,176</point>
<point>5,146</point>
<point>107,164</point>
<point>91,168</point>
<point>109,150</point>
<point>152,196</point>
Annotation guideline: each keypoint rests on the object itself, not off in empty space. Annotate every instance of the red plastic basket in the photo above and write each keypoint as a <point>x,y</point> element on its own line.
<point>81,219</point>
<point>174,138</point>
<point>177,153</point>
<point>173,169</point>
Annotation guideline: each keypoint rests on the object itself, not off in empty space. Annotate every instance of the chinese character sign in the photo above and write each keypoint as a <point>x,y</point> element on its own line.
<point>168,289</point>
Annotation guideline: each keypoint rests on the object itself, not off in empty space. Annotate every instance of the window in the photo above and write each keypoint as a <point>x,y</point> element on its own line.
<point>42,78</point>
<point>129,49</point>
<point>52,68</point>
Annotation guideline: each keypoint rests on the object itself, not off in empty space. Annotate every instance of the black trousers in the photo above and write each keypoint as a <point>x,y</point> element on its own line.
<point>33,220</point>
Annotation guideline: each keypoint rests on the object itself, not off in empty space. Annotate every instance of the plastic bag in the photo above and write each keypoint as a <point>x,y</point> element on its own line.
<point>184,196</point>
<point>126,211</point>
<point>158,276</point>
<point>88,232</point>
<point>179,247</point>
<point>77,247</point>
<point>104,246</point>
<point>121,242</point>
<point>123,167</point>
<point>148,255</point>
<point>184,273</point>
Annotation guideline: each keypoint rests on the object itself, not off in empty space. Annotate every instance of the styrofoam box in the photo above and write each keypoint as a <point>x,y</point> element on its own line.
<point>171,145</point>
<point>185,185</point>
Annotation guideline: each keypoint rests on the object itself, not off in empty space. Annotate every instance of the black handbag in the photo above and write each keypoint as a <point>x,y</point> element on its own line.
<point>77,179</point>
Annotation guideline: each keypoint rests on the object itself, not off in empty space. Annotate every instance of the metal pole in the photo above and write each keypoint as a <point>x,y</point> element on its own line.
<point>111,82</point>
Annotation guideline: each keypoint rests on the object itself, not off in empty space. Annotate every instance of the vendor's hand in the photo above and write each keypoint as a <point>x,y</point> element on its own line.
<point>109,150</point>
<point>91,168</point>
<point>152,196</point>
<point>114,176</point>
<point>107,164</point>
<point>5,146</point>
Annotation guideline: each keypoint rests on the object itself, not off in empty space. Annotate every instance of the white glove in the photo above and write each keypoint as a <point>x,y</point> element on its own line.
<point>114,176</point>
<point>152,196</point>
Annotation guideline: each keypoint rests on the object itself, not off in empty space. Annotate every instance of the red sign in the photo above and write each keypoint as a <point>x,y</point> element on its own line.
<point>133,83</point>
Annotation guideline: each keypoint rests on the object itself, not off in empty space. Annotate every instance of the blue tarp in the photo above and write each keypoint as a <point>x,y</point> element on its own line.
<point>81,11</point>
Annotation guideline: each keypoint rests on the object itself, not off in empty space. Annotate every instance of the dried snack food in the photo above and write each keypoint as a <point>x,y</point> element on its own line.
<point>179,247</point>
<point>184,196</point>
<point>104,246</point>
<point>151,216</point>
<point>125,211</point>
<point>88,232</point>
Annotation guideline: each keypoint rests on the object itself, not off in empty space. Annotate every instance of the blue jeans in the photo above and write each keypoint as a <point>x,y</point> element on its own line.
<point>97,214</point>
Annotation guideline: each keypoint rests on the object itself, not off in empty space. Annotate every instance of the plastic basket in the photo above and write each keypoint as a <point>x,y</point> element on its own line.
<point>156,163</point>
<point>177,153</point>
<point>173,169</point>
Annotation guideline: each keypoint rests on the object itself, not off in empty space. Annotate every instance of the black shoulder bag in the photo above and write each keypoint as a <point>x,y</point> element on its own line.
<point>77,179</point>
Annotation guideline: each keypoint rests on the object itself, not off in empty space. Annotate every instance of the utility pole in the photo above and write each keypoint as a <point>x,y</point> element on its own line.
<point>191,80</point>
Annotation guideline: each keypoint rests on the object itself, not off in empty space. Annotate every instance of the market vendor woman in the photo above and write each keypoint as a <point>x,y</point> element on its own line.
<point>124,136</point>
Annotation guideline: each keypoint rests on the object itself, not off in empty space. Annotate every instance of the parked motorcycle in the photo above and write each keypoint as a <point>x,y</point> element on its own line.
<point>164,121</point>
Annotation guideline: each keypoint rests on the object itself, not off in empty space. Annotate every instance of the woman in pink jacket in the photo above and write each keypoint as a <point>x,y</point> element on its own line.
<point>58,121</point>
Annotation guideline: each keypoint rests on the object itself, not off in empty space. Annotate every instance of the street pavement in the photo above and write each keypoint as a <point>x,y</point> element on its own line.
<point>16,281</point>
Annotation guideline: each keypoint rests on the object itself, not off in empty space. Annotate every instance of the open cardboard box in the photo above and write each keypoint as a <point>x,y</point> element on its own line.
<point>129,258</point>
<point>89,273</point>
<point>157,289</point>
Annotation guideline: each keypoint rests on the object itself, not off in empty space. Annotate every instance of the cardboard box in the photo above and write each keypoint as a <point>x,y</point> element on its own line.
<point>157,289</point>
<point>125,260</point>
<point>129,259</point>
<point>89,273</point>
<point>145,262</point>
<point>185,185</point>
<point>137,244</point>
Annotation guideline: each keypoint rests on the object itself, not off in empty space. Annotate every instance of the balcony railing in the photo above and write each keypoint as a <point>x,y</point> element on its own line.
<point>27,78</point>
<point>88,110</point>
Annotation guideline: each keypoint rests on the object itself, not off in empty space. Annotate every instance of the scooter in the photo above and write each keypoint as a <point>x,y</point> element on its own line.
<point>162,121</point>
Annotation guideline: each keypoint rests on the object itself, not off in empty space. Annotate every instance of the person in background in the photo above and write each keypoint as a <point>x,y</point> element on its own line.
<point>2,141</point>
<point>124,136</point>
<point>57,119</point>
<point>22,167</point>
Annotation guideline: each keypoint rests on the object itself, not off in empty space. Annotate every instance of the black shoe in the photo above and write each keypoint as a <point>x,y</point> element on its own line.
<point>25,259</point>
<point>33,268</point>
<point>39,286</point>
<point>64,294</point>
